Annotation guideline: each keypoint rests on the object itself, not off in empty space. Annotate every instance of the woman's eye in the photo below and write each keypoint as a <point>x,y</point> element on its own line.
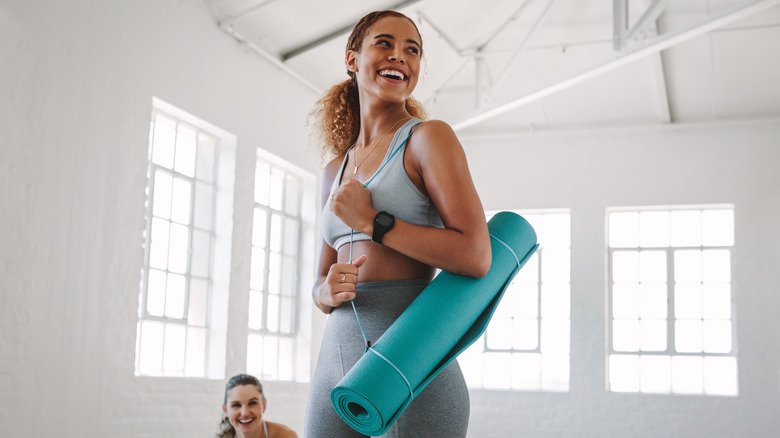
<point>413,50</point>
<point>384,43</point>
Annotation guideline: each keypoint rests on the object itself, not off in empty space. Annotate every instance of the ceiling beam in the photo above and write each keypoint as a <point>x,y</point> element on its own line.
<point>305,47</point>
<point>661,43</point>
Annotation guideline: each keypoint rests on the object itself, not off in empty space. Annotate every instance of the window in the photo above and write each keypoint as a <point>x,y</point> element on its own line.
<point>280,268</point>
<point>670,301</point>
<point>526,345</point>
<point>189,202</point>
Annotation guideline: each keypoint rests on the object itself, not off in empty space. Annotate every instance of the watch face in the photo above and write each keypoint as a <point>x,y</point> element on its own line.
<point>384,220</point>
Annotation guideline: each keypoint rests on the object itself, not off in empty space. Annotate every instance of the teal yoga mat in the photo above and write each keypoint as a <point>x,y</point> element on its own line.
<point>448,316</point>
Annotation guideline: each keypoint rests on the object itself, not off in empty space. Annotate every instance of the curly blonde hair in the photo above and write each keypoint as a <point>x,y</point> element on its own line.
<point>337,114</point>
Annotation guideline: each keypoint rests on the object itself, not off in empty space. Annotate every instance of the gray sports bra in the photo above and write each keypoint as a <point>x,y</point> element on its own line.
<point>391,191</point>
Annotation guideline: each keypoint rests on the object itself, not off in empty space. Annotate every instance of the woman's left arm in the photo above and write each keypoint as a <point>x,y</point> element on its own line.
<point>436,163</point>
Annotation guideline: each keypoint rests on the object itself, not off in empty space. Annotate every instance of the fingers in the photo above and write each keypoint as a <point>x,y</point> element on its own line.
<point>359,262</point>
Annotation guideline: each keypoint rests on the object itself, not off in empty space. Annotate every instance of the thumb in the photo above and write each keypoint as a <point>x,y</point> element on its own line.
<point>359,262</point>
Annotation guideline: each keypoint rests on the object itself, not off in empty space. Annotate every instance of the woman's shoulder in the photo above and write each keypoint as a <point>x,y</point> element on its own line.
<point>332,167</point>
<point>278,430</point>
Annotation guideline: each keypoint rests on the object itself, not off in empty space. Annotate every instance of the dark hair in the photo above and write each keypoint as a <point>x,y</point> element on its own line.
<point>337,113</point>
<point>226,429</point>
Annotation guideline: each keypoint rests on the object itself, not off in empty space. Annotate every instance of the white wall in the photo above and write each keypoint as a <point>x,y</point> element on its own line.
<point>588,171</point>
<point>77,79</point>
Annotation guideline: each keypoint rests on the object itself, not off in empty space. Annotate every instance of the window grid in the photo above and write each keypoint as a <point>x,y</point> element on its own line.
<point>274,284</point>
<point>172,338</point>
<point>526,345</point>
<point>648,351</point>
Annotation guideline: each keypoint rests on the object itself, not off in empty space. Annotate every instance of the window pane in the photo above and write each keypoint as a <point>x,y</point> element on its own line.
<point>259,228</point>
<point>718,227</point>
<point>155,295</point>
<point>254,355</point>
<point>201,252</point>
<point>276,188</point>
<point>499,334</point>
<point>497,371</point>
<point>654,228</point>
<point>285,359</point>
<point>526,300</point>
<point>163,183</point>
<point>687,301</point>
<point>687,266</point>
<point>624,373</point>
<point>688,336</point>
<point>276,233</point>
<point>177,256</point>
<point>185,150</point>
<point>272,313</point>
<point>687,374</point>
<point>652,334</point>
<point>525,334</point>
<point>625,335</point>
<point>720,375</point>
<point>625,267</point>
<point>656,374</point>
<point>198,302</point>
<point>530,271</point>
<point>555,266</point>
<point>686,228</point>
<point>158,253</point>
<point>270,357</point>
<point>526,371</point>
<point>174,296</point>
<point>204,206</point>
<point>255,310</point>
<point>623,230</point>
<point>288,276</point>
<point>652,266</point>
<point>716,266</point>
<point>163,141</point>
<point>556,230</point>
<point>555,336</point>
<point>716,302</point>
<point>286,316</point>
<point>257,278</point>
<point>653,301</point>
<point>151,348</point>
<point>625,301</point>
<point>195,365</point>
<point>173,356</point>
<point>206,158</point>
<point>274,273</point>
<point>717,336</point>
<point>555,300</point>
<point>262,183</point>
<point>181,201</point>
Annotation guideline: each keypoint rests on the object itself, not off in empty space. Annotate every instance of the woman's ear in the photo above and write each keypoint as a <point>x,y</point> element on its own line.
<point>265,403</point>
<point>351,61</point>
<point>224,409</point>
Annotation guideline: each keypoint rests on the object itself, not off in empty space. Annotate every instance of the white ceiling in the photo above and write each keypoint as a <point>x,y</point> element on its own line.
<point>501,66</point>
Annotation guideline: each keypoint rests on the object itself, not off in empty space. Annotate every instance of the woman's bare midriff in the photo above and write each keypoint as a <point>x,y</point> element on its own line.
<point>383,263</point>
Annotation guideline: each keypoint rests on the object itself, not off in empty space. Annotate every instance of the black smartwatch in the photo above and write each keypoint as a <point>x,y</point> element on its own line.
<point>383,222</point>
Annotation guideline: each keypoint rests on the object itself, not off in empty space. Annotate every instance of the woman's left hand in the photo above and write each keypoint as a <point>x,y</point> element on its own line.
<point>351,202</point>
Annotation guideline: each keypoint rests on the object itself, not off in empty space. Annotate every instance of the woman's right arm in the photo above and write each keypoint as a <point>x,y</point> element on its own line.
<point>329,290</point>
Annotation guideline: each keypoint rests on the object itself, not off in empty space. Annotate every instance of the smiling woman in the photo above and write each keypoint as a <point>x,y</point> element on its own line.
<point>405,207</point>
<point>243,410</point>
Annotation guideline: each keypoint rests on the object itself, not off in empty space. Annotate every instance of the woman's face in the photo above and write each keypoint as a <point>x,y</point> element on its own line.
<point>388,64</point>
<point>244,409</point>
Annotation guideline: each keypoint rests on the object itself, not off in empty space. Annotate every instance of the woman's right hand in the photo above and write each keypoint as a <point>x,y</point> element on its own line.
<point>341,283</point>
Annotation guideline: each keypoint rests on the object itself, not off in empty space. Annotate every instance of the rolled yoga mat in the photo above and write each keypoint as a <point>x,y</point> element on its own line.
<point>448,316</point>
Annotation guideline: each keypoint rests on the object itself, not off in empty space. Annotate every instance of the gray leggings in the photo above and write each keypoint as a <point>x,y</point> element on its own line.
<point>440,410</point>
